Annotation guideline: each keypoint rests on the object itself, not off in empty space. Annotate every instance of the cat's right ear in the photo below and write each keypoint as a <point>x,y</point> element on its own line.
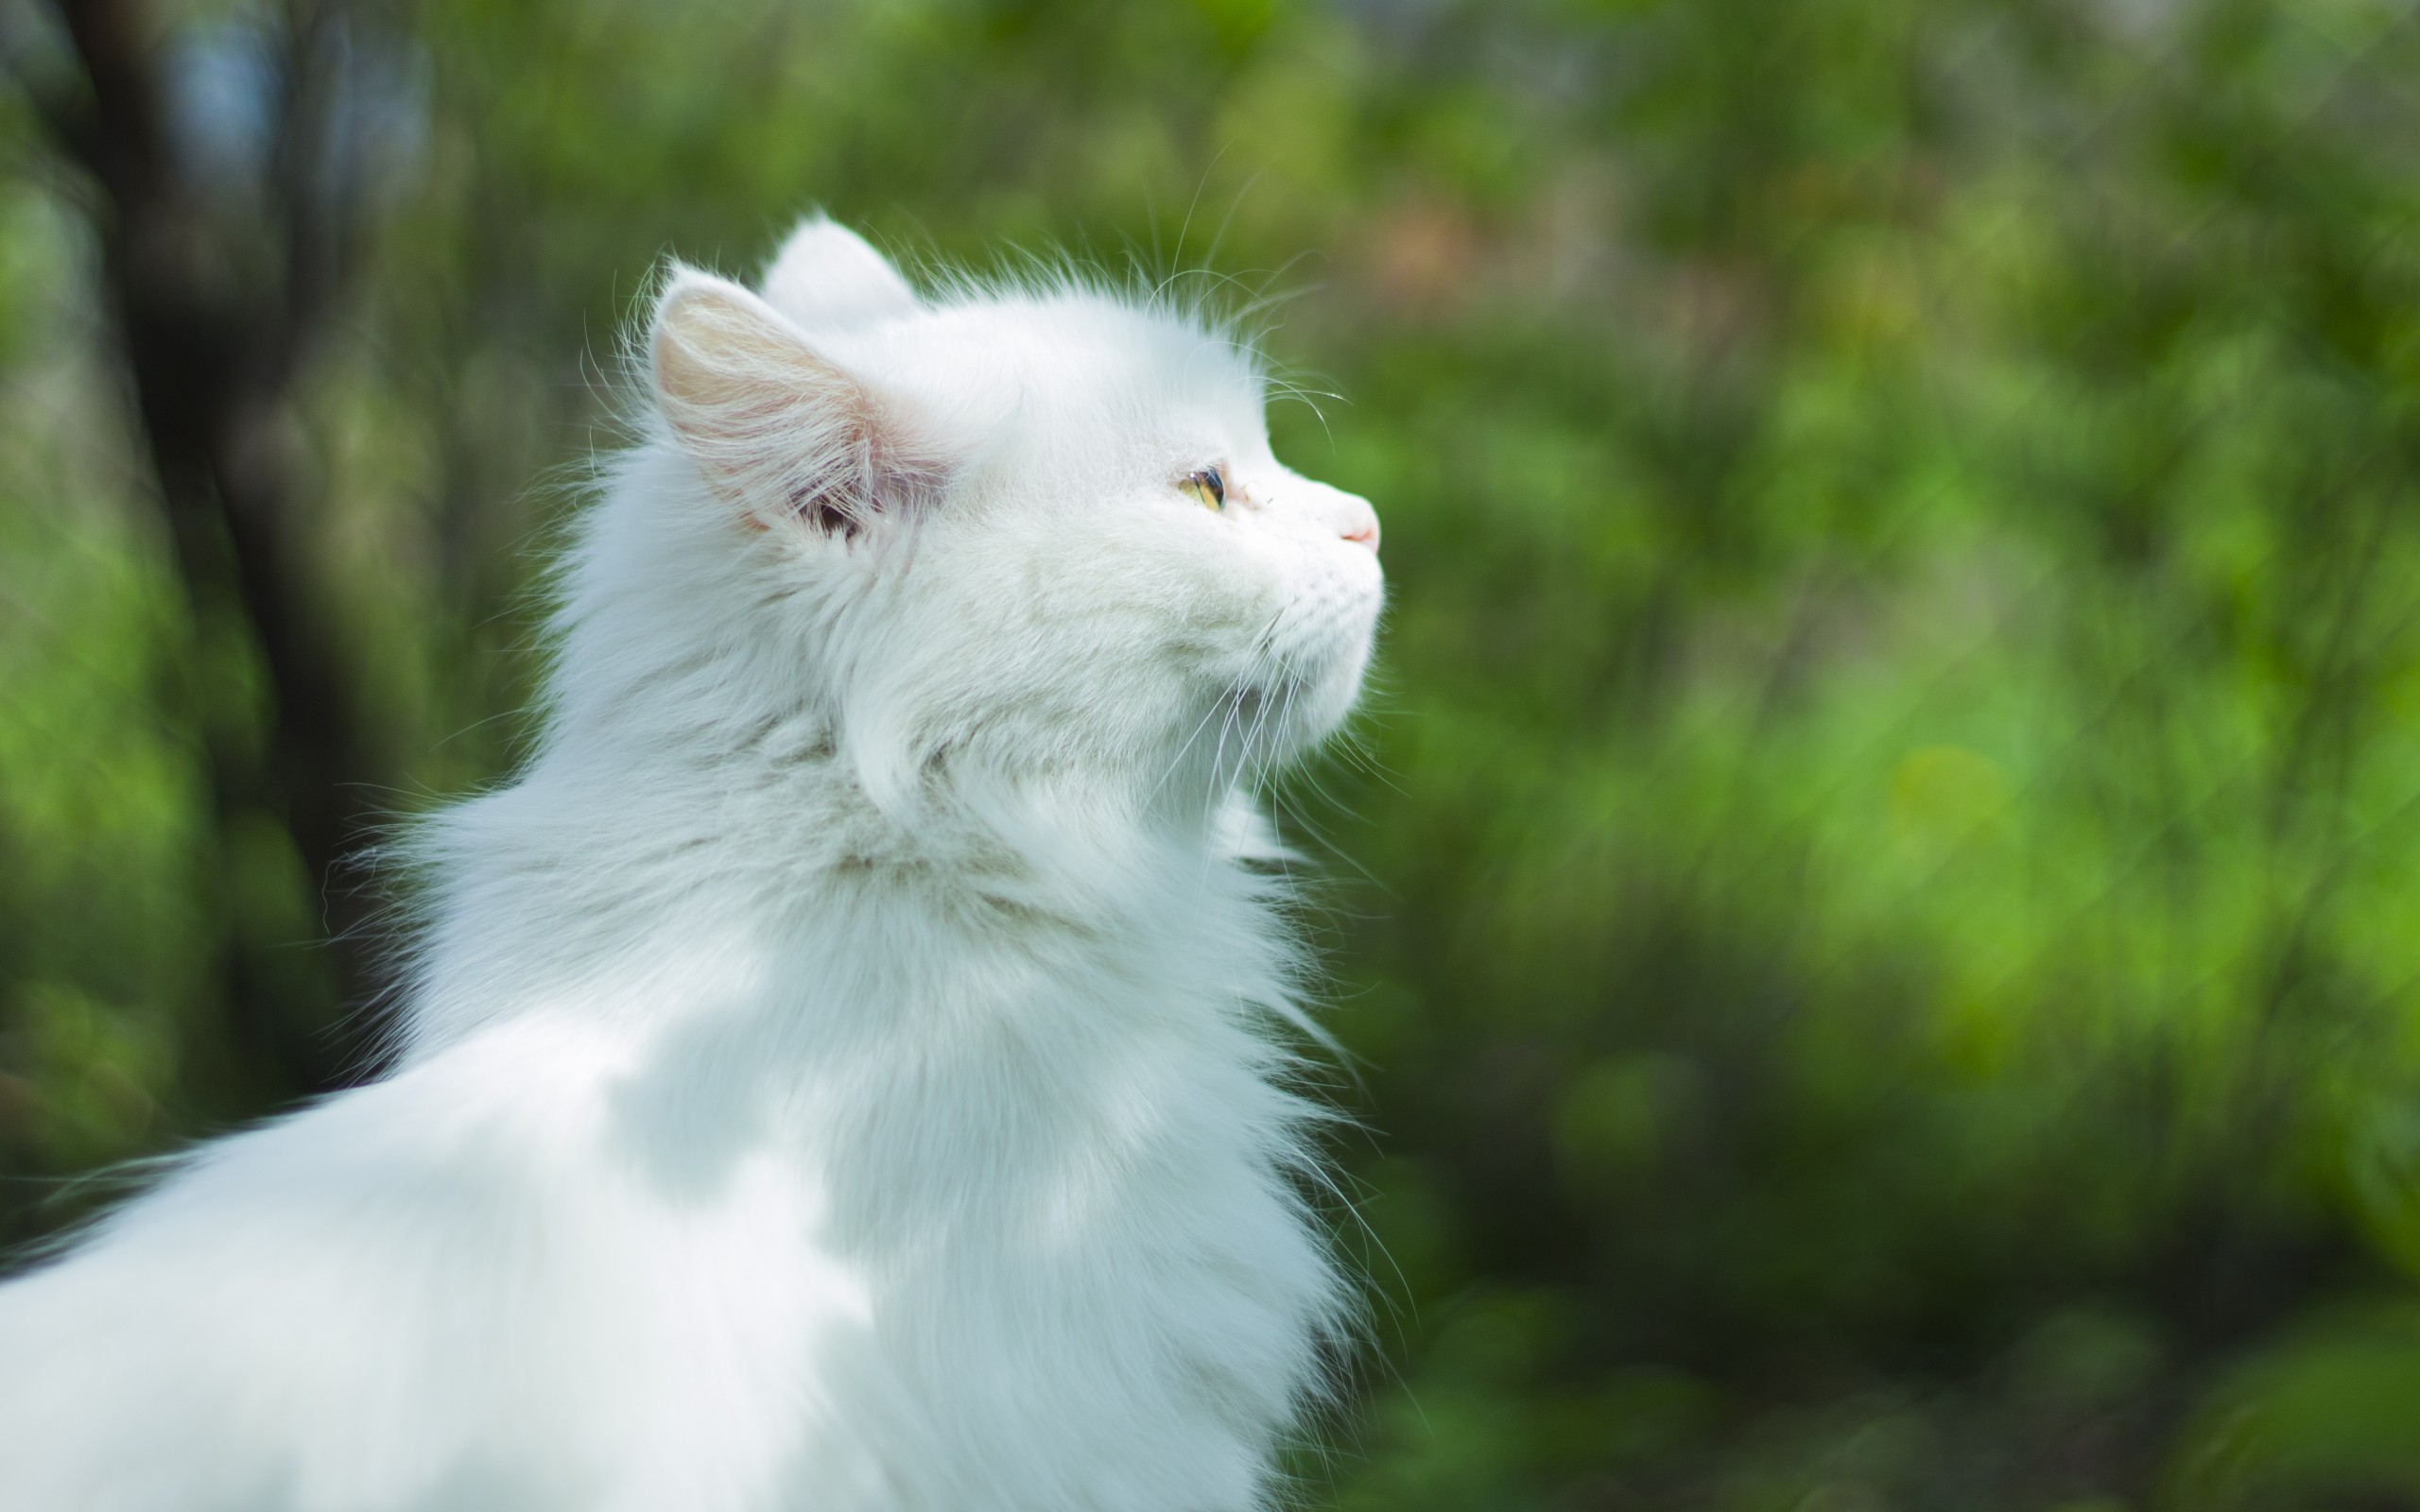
<point>829,278</point>
<point>775,427</point>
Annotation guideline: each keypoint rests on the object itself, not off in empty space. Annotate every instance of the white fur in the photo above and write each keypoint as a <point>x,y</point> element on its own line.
<point>839,1072</point>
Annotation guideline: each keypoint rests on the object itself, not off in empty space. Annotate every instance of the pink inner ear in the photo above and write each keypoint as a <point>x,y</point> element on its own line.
<point>825,510</point>
<point>774,424</point>
<point>765,417</point>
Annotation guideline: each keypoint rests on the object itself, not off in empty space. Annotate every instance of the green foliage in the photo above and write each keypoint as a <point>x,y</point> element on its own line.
<point>1883,913</point>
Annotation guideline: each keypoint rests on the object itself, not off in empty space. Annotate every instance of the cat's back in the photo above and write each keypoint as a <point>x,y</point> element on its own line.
<point>430,1291</point>
<point>522,1275</point>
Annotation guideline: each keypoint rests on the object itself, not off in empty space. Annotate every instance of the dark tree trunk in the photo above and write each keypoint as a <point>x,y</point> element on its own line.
<point>216,295</point>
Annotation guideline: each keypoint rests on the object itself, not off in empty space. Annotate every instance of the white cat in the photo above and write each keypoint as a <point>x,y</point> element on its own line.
<point>839,1073</point>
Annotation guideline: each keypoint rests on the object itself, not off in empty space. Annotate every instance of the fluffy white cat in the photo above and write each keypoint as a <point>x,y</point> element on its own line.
<point>840,1072</point>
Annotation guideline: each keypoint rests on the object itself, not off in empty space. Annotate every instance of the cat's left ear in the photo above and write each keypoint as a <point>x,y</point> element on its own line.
<point>776,426</point>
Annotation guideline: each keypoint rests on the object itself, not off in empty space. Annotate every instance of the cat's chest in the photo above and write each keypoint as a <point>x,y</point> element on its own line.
<point>968,1281</point>
<point>1121,1285</point>
<point>1003,1155</point>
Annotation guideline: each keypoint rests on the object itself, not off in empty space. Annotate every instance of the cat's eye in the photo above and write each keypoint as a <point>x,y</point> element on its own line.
<point>1206,487</point>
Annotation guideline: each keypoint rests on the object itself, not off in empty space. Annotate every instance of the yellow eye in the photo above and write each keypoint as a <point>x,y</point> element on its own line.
<point>1207,488</point>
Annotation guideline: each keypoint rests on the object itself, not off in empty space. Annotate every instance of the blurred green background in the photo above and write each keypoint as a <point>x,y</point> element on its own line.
<point>1880,927</point>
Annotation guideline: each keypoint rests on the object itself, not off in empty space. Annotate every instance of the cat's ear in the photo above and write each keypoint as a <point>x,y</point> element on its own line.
<point>774,426</point>
<point>826,278</point>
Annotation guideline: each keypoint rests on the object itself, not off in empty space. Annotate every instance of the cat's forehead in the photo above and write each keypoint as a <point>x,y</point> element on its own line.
<point>1080,354</point>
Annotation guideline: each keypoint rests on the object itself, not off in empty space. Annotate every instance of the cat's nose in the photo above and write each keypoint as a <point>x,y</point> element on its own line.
<point>1348,513</point>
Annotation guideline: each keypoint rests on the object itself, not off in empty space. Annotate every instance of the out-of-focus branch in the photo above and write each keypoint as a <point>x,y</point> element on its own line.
<point>216,303</point>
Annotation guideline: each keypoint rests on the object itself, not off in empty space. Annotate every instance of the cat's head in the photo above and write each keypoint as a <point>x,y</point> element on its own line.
<point>1024,528</point>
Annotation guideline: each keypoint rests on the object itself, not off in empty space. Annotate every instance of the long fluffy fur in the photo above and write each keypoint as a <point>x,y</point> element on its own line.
<point>838,1072</point>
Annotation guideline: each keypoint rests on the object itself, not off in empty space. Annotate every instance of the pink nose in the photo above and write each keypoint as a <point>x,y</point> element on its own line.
<point>1356,521</point>
<point>1349,515</point>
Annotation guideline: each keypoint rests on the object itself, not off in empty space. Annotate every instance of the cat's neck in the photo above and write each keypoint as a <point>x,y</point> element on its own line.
<point>638,897</point>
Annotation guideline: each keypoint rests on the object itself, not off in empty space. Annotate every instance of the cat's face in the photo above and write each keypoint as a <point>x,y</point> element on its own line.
<point>1044,528</point>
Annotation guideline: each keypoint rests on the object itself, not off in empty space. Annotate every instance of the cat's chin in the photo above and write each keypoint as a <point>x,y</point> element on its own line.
<point>1298,716</point>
